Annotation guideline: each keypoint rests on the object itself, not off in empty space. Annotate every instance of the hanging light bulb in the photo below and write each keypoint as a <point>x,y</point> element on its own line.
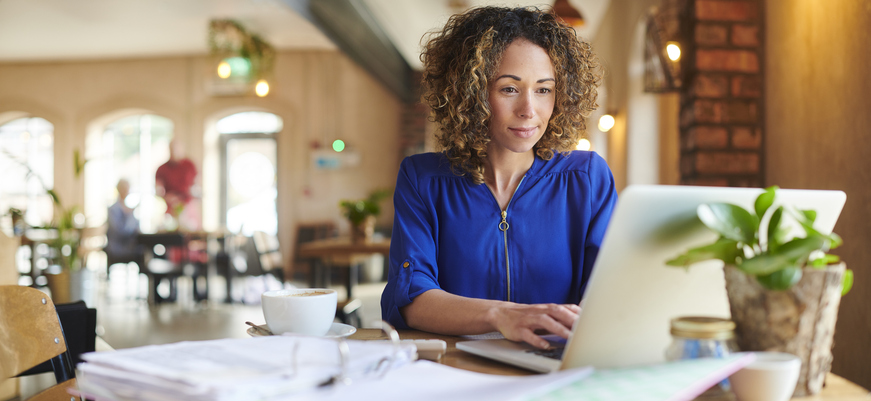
<point>584,144</point>
<point>606,122</point>
<point>224,69</point>
<point>262,88</point>
<point>673,51</point>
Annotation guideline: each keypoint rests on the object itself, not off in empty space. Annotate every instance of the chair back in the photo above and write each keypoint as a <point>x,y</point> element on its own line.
<point>268,250</point>
<point>308,232</point>
<point>30,333</point>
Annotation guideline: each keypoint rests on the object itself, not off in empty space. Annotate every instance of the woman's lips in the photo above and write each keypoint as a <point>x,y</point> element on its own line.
<point>524,132</point>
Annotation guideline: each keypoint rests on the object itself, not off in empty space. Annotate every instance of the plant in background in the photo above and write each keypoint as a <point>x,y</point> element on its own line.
<point>67,222</point>
<point>358,210</point>
<point>228,39</point>
<point>756,242</point>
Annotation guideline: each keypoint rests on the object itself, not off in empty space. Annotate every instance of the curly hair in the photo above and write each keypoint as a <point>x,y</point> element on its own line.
<point>460,60</point>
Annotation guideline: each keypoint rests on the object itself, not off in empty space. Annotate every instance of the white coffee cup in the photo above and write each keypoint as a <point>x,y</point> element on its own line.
<point>308,311</point>
<point>771,377</point>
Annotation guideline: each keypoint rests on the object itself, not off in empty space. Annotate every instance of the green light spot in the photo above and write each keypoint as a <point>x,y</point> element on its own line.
<point>239,66</point>
<point>338,145</point>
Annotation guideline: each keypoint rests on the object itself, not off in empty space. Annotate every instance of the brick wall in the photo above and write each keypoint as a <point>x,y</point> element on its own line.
<point>721,101</point>
<point>412,135</point>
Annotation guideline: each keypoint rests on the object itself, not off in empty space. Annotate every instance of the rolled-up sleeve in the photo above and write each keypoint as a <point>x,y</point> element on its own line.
<point>413,269</point>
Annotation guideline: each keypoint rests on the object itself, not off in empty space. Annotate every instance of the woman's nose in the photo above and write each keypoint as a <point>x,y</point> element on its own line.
<point>526,106</point>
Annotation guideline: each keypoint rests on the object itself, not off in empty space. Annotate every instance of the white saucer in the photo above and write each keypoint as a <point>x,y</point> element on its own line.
<point>337,330</point>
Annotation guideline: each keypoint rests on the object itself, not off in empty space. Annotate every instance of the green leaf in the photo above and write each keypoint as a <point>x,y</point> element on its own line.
<point>765,264</point>
<point>810,215</point>
<point>848,282</point>
<point>836,241</point>
<point>799,249</point>
<point>54,197</point>
<point>764,201</point>
<point>724,249</point>
<point>792,253</point>
<point>730,221</point>
<point>776,235</point>
<point>781,279</point>
<point>824,261</point>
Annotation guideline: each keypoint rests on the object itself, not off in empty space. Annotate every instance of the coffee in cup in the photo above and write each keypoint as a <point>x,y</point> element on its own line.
<point>307,311</point>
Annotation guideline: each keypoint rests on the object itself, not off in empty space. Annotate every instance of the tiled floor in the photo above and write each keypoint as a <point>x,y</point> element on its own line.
<point>124,321</point>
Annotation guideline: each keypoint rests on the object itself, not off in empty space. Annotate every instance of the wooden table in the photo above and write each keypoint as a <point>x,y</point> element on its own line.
<point>321,253</point>
<point>837,388</point>
<point>170,270</point>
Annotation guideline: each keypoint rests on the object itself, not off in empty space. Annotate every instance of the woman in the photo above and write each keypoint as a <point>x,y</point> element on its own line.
<point>500,230</point>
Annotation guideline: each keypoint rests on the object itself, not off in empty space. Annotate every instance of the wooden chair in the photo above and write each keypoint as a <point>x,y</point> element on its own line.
<point>269,254</point>
<point>30,333</point>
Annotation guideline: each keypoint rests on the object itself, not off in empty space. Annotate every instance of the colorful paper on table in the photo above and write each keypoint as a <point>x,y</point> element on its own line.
<point>674,381</point>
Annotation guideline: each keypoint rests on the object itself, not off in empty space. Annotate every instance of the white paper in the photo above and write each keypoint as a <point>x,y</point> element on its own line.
<point>429,381</point>
<point>233,369</point>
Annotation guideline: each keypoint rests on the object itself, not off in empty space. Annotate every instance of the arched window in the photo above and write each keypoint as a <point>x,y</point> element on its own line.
<point>132,148</point>
<point>27,165</point>
<point>248,171</point>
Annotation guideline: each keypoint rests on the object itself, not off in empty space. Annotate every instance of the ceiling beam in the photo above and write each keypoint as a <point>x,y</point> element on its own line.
<point>351,25</point>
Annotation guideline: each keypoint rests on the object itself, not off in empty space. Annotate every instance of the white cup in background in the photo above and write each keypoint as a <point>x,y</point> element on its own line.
<point>308,311</point>
<point>771,377</point>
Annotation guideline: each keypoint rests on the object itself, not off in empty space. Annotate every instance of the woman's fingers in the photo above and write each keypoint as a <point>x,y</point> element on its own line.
<point>519,322</point>
<point>562,314</point>
<point>574,308</point>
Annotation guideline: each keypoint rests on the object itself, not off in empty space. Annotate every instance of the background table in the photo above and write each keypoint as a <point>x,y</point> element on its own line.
<point>171,269</point>
<point>837,388</point>
<point>321,253</point>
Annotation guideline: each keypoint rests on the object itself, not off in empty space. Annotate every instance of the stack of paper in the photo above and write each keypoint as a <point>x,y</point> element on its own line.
<point>261,368</point>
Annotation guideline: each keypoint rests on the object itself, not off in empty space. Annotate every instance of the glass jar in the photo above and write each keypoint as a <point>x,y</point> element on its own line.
<point>702,337</point>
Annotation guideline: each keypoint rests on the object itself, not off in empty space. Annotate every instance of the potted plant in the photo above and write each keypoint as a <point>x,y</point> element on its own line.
<point>67,226</point>
<point>18,223</point>
<point>784,291</point>
<point>361,214</point>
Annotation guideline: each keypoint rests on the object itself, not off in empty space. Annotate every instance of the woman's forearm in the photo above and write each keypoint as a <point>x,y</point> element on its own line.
<point>441,312</point>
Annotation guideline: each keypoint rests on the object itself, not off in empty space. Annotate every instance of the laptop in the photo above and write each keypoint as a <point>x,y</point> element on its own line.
<point>632,295</point>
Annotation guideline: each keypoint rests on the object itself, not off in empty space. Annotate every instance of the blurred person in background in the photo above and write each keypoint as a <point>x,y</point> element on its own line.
<point>121,245</point>
<point>174,179</point>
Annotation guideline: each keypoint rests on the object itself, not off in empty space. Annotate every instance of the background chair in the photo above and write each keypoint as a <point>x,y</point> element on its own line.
<point>269,255</point>
<point>347,310</point>
<point>308,232</point>
<point>158,267</point>
<point>255,259</point>
<point>31,333</point>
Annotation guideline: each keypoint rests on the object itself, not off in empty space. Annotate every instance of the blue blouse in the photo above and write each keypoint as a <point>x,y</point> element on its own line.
<point>450,233</point>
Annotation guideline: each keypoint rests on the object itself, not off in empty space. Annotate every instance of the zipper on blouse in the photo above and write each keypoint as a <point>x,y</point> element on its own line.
<point>503,226</point>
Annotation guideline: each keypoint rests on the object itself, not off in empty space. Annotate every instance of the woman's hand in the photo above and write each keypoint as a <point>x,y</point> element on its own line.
<point>519,322</point>
<point>441,312</point>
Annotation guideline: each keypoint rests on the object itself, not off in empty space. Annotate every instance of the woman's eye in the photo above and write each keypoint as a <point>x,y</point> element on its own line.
<point>509,89</point>
<point>545,90</point>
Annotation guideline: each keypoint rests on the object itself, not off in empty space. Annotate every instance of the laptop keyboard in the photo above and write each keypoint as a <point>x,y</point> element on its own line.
<point>555,351</point>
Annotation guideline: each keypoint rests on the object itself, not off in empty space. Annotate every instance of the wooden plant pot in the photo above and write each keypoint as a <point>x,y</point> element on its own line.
<point>59,285</point>
<point>799,321</point>
<point>362,233</point>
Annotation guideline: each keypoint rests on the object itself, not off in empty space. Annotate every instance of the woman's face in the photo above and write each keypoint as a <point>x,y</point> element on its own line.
<point>521,98</point>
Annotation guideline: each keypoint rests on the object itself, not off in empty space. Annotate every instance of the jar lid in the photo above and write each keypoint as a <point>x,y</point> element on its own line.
<point>703,327</point>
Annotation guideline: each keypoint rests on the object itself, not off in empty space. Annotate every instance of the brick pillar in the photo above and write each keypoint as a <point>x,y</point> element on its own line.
<point>412,135</point>
<point>413,128</point>
<point>721,101</point>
